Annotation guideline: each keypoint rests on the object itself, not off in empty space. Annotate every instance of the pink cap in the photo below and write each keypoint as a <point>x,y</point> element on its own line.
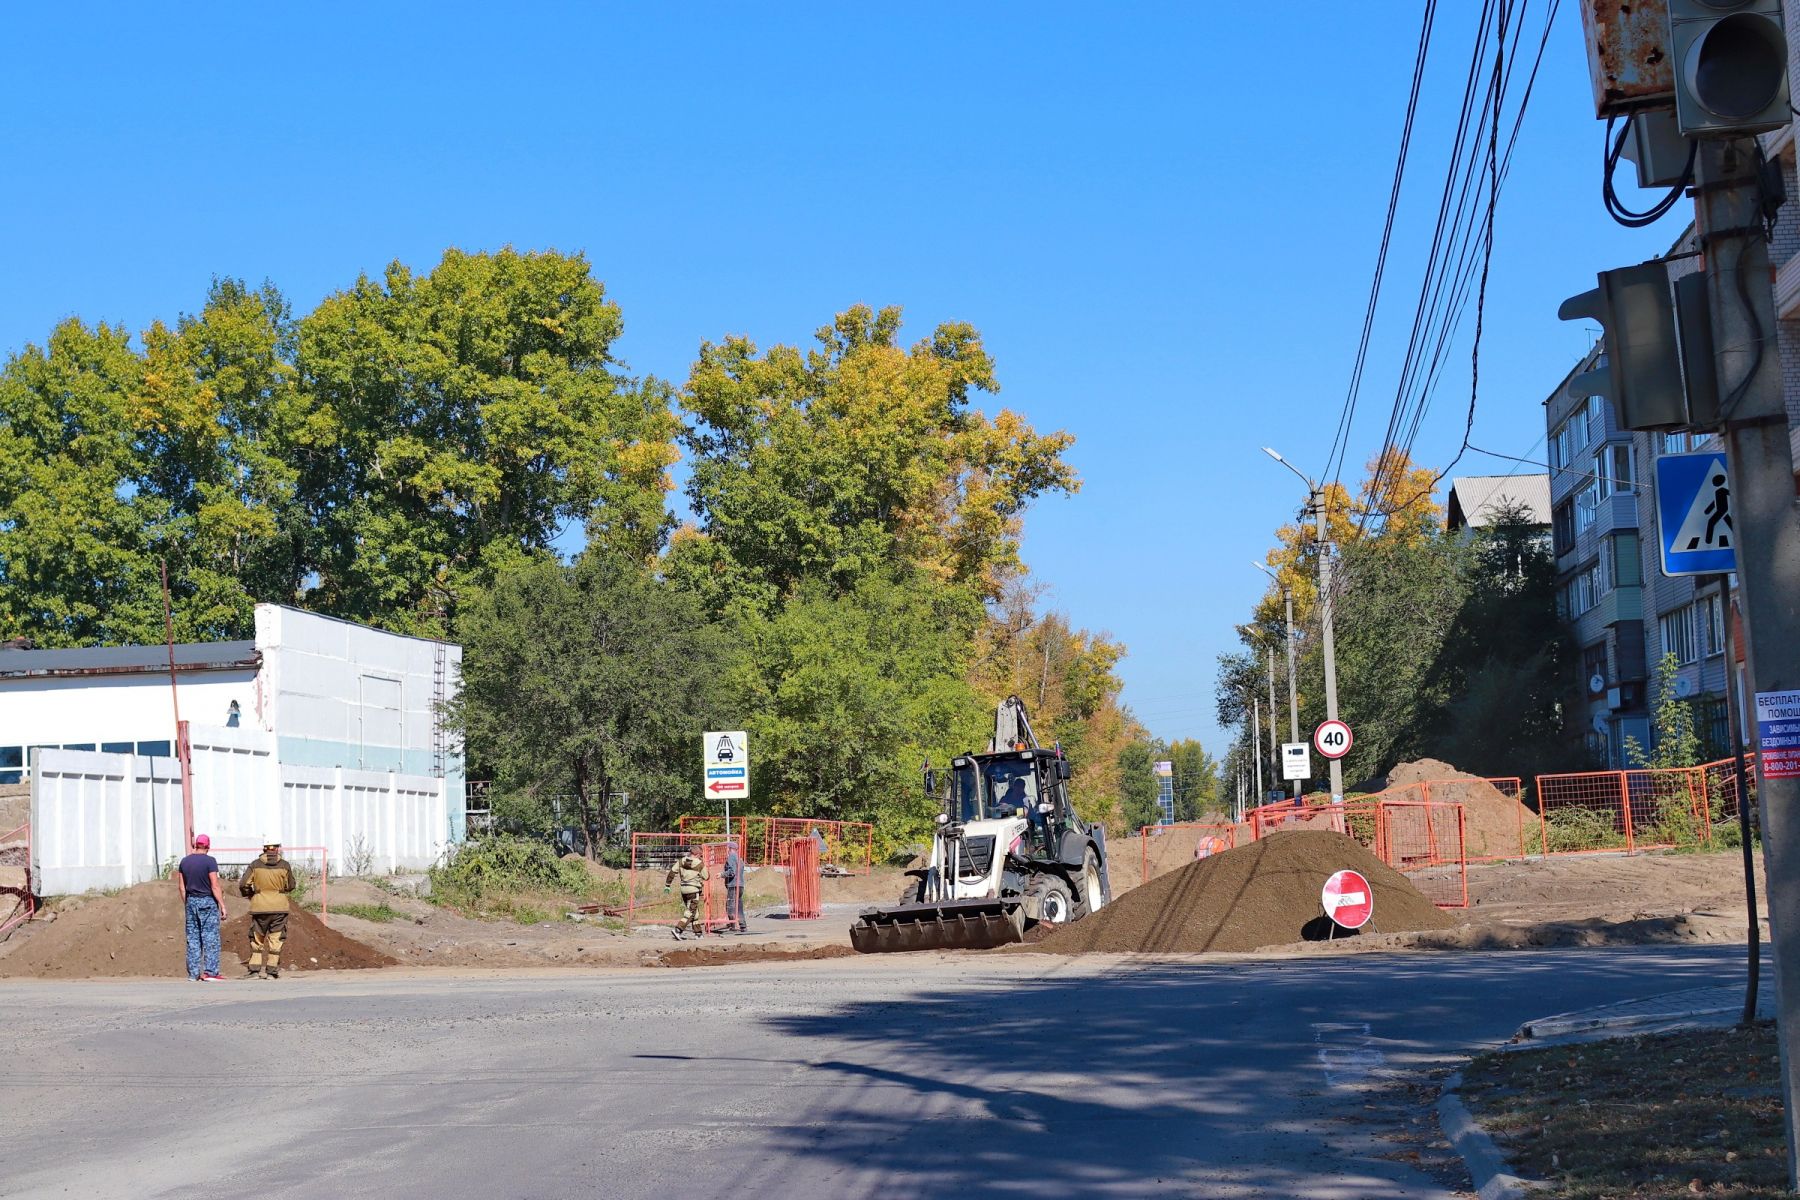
<point>202,841</point>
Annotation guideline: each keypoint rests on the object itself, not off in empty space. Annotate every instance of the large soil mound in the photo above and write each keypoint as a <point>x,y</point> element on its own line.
<point>140,931</point>
<point>1263,894</point>
<point>1492,820</point>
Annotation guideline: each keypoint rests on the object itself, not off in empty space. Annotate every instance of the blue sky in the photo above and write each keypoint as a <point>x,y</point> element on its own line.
<point>1163,220</point>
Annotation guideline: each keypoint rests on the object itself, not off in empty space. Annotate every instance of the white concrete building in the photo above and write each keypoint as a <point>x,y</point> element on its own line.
<point>333,694</point>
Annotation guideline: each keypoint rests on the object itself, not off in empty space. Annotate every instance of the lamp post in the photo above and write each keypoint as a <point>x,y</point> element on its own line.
<point>1287,595</point>
<point>1315,498</point>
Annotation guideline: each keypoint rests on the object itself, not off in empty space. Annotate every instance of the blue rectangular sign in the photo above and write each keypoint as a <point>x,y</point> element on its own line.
<point>725,772</point>
<point>1693,514</point>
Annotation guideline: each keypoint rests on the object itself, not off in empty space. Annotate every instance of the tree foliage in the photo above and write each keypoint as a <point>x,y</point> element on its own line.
<point>1137,787</point>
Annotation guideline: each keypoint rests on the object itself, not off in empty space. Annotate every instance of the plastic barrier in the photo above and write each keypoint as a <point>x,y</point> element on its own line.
<point>1591,812</point>
<point>848,845</point>
<point>652,855</point>
<point>1162,848</point>
<point>15,878</point>
<point>310,863</point>
<point>802,857</point>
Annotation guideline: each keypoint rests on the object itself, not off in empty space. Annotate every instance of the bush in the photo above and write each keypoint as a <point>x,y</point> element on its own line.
<point>1579,828</point>
<point>499,866</point>
<point>382,913</point>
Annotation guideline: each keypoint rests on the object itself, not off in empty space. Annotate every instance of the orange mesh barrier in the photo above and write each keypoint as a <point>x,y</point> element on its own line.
<point>1424,839</point>
<point>15,878</point>
<point>1165,847</point>
<point>1722,789</point>
<point>802,857</point>
<point>847,845</point>
<point>1592,812</point>
<point>650,899</point>
<point>1494,827</point>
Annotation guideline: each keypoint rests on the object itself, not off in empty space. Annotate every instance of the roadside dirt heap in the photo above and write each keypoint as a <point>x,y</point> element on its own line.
<point>1263,894</point>
<point>724,956</point>
<point>1492,820</point>
<point>140,931</point>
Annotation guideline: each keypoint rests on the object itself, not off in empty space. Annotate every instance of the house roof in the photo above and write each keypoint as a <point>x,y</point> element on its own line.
<point>127,660</point>
<point>1475,500</point>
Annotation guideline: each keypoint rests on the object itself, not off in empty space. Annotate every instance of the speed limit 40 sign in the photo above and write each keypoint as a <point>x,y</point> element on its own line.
<point>1333,739</point>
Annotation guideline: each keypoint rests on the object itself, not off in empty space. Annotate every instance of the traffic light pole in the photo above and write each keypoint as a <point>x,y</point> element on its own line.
<point>1326,621</point>
<point>1764,518</point>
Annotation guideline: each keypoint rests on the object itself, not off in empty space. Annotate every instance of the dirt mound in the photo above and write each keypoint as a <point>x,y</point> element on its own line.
<point>1492,820</point>
<point>725,956</point>
<point>1263,894</point>
<point>140,931</point>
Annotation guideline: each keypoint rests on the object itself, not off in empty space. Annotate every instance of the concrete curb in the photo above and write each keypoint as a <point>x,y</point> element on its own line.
<point>1555,1027</point>
<point>1487,1165</point>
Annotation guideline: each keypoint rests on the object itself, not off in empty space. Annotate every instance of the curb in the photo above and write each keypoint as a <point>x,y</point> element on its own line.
<point>1488,1167</point>
<point>1555,1027</point>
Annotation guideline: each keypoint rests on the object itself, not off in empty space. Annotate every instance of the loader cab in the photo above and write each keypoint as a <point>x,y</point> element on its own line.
<point>1018,783</point>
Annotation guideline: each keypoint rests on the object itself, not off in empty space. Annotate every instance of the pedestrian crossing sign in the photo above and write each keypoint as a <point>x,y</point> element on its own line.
<point>1693,514</point>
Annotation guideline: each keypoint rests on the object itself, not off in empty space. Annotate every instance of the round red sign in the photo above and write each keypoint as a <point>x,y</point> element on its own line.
<point>1333,739</point>
<point>1348,899</point>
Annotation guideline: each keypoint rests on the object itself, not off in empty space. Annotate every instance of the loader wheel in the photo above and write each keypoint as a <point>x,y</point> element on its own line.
<point>1093,897</point>
<point>1055,905</point>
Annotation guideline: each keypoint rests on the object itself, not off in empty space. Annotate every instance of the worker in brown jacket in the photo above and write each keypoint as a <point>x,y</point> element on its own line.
<point>267,882</point>
<point>690,870</point>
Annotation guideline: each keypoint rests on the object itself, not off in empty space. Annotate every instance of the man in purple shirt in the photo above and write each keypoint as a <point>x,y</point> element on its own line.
<point>203,901</point>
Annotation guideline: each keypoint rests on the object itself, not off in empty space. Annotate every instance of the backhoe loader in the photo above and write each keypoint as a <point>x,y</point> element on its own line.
<point>1008,851</point>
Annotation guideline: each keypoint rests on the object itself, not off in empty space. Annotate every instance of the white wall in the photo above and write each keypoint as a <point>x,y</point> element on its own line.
<point>112,820</point>
<point>117,708</point>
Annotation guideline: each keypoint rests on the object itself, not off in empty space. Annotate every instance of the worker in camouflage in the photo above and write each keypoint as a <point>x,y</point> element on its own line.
<point>267,882</point>
<point>690,870</point>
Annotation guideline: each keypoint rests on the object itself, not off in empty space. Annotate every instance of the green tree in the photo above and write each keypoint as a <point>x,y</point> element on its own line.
<point>1196,780</point>
<point>587,681</point>
<point>455,422</point>
<point>1676,740</point>
<point>856,459</point>
<point>1137,787</point>
<point>847,697</point>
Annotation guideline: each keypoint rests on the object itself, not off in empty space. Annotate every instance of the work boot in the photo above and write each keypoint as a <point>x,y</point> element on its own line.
<point>273,974</point>
<point>252,972</point>
<point>679,936</point>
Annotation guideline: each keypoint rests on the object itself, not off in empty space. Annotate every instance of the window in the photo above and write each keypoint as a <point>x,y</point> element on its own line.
<point>1595,411</point>
<point>1674,443</point>
<point>1605,579</point>
<point>1593,664</point>
<point>153,749</point>
<point>1581,592</point>
<point>115,747</point>
<point>12,759</point>
<point>1623,551</point>
<point>1713,620</point>
<point>1587,506</point>
<point>1566,442</point>
<point>1562,527</point>
<point>1612,470</point>
<point>78,745</point>
<point>1678,635</point>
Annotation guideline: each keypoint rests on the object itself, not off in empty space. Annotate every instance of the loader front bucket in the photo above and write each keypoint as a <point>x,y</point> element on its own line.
<point>950,925</point>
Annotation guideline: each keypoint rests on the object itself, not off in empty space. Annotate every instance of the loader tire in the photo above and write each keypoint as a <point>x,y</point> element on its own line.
<point>1056,905</point>
<point>1089,898</point>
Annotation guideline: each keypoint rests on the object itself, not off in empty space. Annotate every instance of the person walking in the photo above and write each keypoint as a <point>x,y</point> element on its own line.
<point>734,889</point>
<point>691,872</point>
<point>267,882</point>
<point>203,905</point>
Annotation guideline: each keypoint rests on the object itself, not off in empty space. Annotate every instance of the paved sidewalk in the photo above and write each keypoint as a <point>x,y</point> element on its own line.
<point>1687,1008</point>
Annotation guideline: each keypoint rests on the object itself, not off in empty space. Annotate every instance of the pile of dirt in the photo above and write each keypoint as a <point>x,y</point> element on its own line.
<point>141,931</point>
<point>1492,820</point>
<point>1263,894</point>
<point>701,956</point>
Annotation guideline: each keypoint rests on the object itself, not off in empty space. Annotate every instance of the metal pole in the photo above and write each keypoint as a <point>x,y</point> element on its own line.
<point>1741,778</point>
<point>1274,745</point>
<point>1256,744</point>
<point>1766,525</point>
<point>1293,696</point>
<point>1325,620</point>
<point>183,754</point>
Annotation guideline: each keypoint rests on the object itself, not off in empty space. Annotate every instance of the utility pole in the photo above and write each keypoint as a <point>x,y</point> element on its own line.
<point>1274,744</point>
<point>1728,211</point>
<point>1293,696</point>
<point>1256,744</point>
<point>1326,620</point>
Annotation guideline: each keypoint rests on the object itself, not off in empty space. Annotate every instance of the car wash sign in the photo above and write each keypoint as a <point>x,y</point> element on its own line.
<point>725,758</point>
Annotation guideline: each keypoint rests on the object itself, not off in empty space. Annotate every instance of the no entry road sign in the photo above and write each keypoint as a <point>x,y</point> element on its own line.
<point>1348,899</point>
<point>1333,739</point>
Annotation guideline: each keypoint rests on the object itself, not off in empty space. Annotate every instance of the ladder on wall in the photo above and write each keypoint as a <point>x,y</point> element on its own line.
<point>440,665</point>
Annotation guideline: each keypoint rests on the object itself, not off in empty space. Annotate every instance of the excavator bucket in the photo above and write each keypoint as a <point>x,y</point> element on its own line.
<point>950,925</point>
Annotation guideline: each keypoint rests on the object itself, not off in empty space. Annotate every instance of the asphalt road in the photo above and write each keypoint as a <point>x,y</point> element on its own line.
<point>997,1075</point>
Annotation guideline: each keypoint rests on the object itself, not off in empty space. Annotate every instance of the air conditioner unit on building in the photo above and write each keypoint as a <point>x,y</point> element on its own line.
<point>1613,699</point>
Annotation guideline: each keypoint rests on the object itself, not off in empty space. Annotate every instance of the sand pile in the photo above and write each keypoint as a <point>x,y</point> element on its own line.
<point>1491,819</point>
<point>1263,894</point>
<point>140,931</point>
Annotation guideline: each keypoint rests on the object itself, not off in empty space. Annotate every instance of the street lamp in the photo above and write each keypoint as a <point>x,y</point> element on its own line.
<point>1287,595</point>
<point>1315,498</point>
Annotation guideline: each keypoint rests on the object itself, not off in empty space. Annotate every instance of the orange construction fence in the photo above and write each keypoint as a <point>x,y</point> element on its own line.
<point>1180,843</point>
<point>1591,812</point>
<point>1424,839</point>
<point>847,845</point>
<point>15,878</point>
<point>651,901</point>
<point>802,858</point>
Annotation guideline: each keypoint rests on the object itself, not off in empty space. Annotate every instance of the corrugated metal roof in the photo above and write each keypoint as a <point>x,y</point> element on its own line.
<point>127,660</point>
<point>1476,499</point>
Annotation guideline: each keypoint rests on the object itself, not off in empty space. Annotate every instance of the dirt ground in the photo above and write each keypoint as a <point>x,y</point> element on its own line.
<point>1567,901</point>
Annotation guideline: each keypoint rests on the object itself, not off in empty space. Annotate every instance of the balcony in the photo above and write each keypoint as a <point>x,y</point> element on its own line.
<point>1616,512</point>
<point>1620,604</point>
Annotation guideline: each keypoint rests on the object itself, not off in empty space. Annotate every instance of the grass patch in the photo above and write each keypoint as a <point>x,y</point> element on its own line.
<point>525,914</point>
<point>382,913</point>
<point>1667,1115</point>
<point>517,879</point>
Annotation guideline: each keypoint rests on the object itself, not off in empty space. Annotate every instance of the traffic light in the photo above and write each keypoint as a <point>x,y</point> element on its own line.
<point>1655,378</point>
<point>1731,60</point>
